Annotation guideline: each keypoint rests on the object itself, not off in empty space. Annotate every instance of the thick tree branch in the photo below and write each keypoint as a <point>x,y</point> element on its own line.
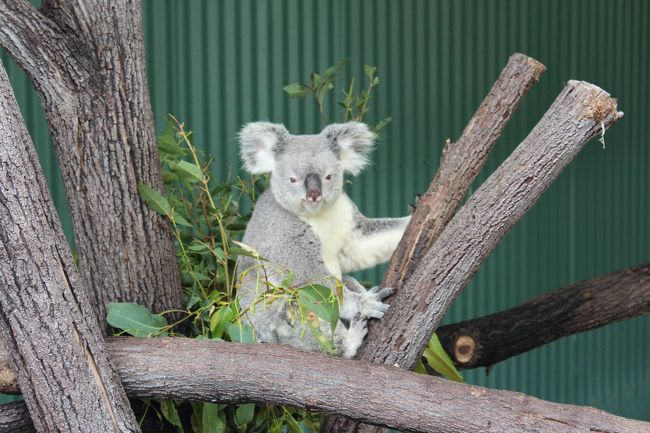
<point>484,341</point>
<point>86,60</point>
<point>41,49</point>
<point>460,164</point>
<point>383,395</point>
<point>582,306</point>
<point>46,319</point>
<point>579,113</point>
<point>14,418</point>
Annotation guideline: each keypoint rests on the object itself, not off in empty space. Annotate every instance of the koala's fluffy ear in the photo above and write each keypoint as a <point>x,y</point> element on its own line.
<point>353,142</point>
<point>259,141</point>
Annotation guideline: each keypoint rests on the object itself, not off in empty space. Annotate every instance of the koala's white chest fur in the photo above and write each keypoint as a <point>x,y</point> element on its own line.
<point>334,227</point>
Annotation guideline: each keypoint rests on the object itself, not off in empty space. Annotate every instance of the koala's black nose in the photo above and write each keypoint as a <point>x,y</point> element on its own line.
<point>313,187</point>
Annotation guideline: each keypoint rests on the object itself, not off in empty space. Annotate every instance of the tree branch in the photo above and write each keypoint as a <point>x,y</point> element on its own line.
<point>87,62</point>
<point>384,395</point>
<point>582,306</point>
<point>460,164</point>
<point>580,112</point>
<point>48,325</point>
<point>14,418</point>
<point>37,44</point>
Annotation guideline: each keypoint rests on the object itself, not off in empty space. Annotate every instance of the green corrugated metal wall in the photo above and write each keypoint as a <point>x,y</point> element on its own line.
<point>218,64</point>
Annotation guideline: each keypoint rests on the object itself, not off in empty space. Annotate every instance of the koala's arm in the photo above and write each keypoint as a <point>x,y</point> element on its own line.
<point>372,242</point>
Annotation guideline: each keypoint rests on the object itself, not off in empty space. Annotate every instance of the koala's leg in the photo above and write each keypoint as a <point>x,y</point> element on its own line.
<point>373,242</point>
<point>348,340</point>
<point>358,300</point>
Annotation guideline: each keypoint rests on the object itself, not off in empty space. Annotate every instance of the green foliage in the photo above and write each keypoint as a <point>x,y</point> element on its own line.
<point>436,358</point>
<point>354,105</point>
<point>319,85</point>
<point>136,320</point>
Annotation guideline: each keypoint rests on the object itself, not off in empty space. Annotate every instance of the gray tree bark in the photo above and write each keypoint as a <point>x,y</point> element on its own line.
<point>86,60</point>
<point>46,318</point>
<point>379,394</point>
<point>14,418</point>
<point>582,306</point>
<point>579,113</point>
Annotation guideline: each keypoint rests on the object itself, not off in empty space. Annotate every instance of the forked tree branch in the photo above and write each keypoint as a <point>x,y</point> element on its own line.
<point>579,113</point>
<point>582,306</point>
<point>40,47</point>
<point>460,163</point>
<point>86,59</point>
<point>384,395</point>
<point>46,318</point>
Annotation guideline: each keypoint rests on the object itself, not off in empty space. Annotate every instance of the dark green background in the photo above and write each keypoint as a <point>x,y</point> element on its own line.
<point>218,64</point>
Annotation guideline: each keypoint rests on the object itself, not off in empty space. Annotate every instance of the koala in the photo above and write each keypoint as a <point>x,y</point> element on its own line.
<point>307,224</point>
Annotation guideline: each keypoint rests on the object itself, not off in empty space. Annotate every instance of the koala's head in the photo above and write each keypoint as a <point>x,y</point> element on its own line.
<point>306,170</point>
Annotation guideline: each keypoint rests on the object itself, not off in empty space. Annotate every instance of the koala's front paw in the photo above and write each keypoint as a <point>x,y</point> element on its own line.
<point>370,302</point>
<point>354,336</point>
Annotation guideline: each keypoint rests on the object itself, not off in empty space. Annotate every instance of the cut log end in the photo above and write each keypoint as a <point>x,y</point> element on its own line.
<point>538,67</point>
<point>601,106</point>
<point>465,349</point>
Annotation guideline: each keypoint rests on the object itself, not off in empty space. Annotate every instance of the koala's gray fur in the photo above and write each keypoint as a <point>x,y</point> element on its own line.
<point>306,223</point>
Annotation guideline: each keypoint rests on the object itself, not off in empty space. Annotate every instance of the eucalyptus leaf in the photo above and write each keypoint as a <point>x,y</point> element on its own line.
<point>241,333</point>
<point>154,199</point>
<point>320,300</point>
<point>212,419</point>
<point>288,280</point>
<point>324,341</point>
<point>187,170</point>
<point>244,413</point>
<point>134,319</point>
<point>295,90</point>
<point>220,319</point>
<point>181,221</point>
<point>169,144</point>
<point>438,359</point>
<point>369,71</point>
<point>169,412</point>
<point>292,424</point>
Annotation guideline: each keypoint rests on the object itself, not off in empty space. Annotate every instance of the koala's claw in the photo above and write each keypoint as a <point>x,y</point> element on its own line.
<point>382,293</point>
<point>370,302</point>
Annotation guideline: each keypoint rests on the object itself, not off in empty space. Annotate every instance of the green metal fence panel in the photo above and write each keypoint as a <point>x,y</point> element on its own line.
<point>219,64</point>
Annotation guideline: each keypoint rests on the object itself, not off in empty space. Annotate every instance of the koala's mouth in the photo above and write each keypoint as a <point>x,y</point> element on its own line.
<point>312,205</point>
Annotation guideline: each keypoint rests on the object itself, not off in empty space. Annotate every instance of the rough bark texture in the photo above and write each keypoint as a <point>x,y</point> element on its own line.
<point>460,164</point>
<point>379,394</point>
<point>14,418</point>
<point>45,316</point>
<point>86,60</point>
<point>579,113</point>
<point>577,308</point>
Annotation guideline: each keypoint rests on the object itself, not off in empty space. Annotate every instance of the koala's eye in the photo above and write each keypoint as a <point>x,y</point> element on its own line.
<point>328,177</point>
<point>293,179</point>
